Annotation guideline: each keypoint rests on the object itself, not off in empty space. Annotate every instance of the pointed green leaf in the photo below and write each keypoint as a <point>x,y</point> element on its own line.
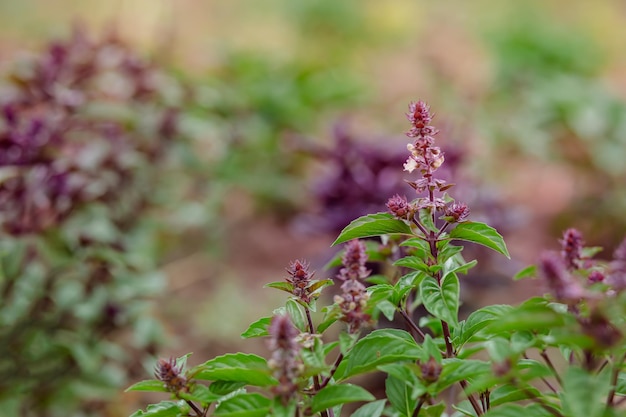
<point>244,405</point>
<point>482,234</point>
<point>453,267</point>
<point>200,393</point>
<point>283,410</point>
<point>333,395</point>
<point>509,393</point>
<point>148,385</point>
<point>373,225</point>
<point>528,272</point>
<point>377,348</point>
<point>280,285</point>
<point>435,410</point>
<point>164,409</point>
<point>442,302</point>
<point>225,387</point>
<point>426,219</point>
<point>373,409</point>
<point>421,249</point>
<point>584,394</point>
<point>331,315</point>
<point>239,367</point>
<point>399,394</point>
<point>515,410</point>
<point>455,370</point>
<point>320,284</point>
<point>258,328</point>
<point>413,262</point>
<point>447,250</point>
<point>296,314</point>
<point>477,321</point>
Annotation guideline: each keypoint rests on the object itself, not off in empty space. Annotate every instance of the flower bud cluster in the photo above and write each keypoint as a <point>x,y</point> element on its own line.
<point>353,299</point>
<point>426,158</point>
<point>285,362</point>
<point>424,155</point>
<point>431,370</point>
<point>571,248</point>
<point>563,287</point>
<point>562,272</point>
<point>300,278</point>
<point>169,373</point>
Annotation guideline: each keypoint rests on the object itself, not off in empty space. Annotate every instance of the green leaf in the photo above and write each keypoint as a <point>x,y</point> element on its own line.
<point>373,225</point>
<point>442,302</point>
<point>347,341</point>
<point>455,370</point>
<point>283,410</point>
<point>528,272</point>
<point>515,410</point>
<point>584,394</point>
<point>482,234</point>
<point>435,410</point>
<point>237,367</point>
<point>331,315</point>
<point>447,250</point>
<point>148,385</point>
<point>164,409</point>
<point>406,372</point>
<point>200,393</point>
<point>373,409</point>
<point>244,405</point>
<point>258,328</point>
<point>382,299</point>
<point>509,393</point>
<point>400,396</point>
<point>426,219</point>
<point>377,348</point>
<point>431,349</point>
<point>478,320</point>
<point>333,395</point>
<point>527,317</point>
<point>225,387</point>
<point>280,285</point>
<point>296,313</point>
<point>413,262</point>
<point>318,285</point>
<point>421,249</point>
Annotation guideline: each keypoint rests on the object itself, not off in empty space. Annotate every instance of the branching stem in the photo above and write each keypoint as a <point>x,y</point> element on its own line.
<point>332,371</point>
<point>411,323</point>
<point>546,358</point>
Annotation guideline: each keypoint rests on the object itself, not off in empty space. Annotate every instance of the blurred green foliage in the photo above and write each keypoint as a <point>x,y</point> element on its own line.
<point>549,102</point>
<point>261,107</point>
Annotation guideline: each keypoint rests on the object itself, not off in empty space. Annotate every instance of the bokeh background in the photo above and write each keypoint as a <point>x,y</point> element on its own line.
<point>163,159</point>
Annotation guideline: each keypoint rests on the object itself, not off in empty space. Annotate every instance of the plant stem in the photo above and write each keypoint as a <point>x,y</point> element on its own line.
<point>471,399</point>
<point>316,378</point>
<point>546,358</point>
<point>332,371</point>
<point>421,402</point>
<point>411,323</point>
<point>446,338</point>
<point>545,381</point>
<point>195,408</point>
<point>531,396</point>
<point>614,376</point>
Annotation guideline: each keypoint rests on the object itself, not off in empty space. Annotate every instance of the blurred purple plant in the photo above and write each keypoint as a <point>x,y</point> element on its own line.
<point>88,131</point>
<point>67,134</point>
